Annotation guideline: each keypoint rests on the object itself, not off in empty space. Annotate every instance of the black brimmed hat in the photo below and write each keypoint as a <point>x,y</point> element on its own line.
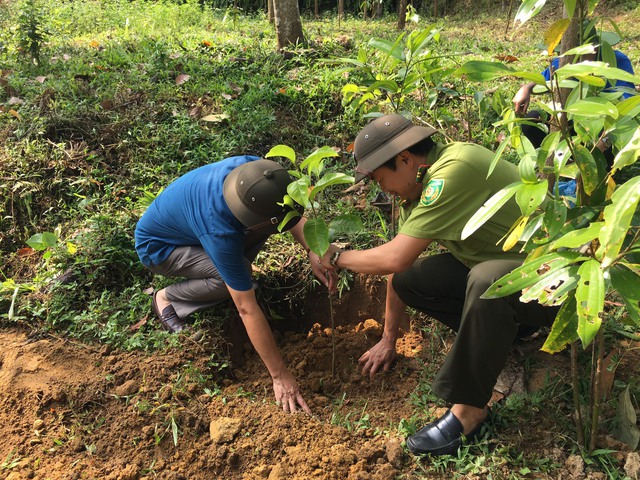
<point>383,139</point>
<point>253,192</point>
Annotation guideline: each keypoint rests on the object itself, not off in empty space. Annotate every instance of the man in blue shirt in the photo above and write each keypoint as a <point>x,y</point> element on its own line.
<point>522,98</point>
<point>207,227</point>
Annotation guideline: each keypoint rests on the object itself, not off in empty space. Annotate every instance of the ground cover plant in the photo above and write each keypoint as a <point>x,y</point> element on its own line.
<point>102,104</point>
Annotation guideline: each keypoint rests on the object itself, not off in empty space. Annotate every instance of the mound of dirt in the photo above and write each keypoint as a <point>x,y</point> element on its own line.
<point>73,411</point>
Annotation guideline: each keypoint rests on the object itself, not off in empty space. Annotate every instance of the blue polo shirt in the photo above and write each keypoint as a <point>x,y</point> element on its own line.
<point>192,211</point>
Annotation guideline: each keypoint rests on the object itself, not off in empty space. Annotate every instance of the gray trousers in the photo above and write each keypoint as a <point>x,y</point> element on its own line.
<point>446,289</point>
<point>202,287</point>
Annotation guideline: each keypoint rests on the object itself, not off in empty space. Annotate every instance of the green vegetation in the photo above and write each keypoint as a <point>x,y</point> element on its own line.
<point>102,104</point>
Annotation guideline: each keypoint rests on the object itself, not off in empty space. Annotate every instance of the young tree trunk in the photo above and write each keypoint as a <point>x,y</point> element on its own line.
<point>270,15</point>
<point>402,14</point>
<point>340,11</point>
<point>288,23</point>
<point>315,8</point>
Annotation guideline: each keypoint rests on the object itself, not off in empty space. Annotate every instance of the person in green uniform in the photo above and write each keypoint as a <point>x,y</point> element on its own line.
<point>442,186</point>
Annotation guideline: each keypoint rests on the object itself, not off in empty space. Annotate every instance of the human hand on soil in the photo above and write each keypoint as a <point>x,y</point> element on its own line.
<point>327,275</point>
<point>288,394</point>
<point>382,354</point>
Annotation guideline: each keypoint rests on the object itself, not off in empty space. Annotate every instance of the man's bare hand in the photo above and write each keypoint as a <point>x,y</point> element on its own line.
<point>380,356</point>
<point>288,394</point>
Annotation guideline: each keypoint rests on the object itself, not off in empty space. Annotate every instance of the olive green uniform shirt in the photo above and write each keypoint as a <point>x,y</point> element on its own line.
<point>455,187</point>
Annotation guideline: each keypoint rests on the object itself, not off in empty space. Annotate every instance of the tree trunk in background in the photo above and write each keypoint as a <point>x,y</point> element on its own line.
<point>340,10</point>
<point>270,11</point>
<point>288,23</point>
<point>315,8</point>
<point>402,14</point>
<point>379,9</point>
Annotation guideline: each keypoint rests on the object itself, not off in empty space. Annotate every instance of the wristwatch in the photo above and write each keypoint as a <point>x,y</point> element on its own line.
<point>334,258</point>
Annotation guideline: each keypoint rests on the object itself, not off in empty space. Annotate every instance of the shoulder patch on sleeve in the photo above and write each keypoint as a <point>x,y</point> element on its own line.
<point>432,192</point>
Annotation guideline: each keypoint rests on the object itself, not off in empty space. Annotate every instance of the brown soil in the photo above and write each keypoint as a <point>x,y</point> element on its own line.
<point>73,411</point>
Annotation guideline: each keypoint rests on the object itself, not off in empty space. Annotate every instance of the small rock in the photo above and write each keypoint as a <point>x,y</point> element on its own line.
<point>395,454</point>
<point>575,466</point>
<point>632,466</point>
<point>128,388</point>
<point>38,424</point>
<point>224,429</point>
<point>279,472</point>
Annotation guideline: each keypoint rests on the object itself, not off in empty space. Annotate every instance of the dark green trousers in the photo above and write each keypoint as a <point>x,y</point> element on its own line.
<point>447,290</point>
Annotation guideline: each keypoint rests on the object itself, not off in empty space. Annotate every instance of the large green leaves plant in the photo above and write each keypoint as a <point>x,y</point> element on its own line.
<point>582,249</point>
<point>392,70</point>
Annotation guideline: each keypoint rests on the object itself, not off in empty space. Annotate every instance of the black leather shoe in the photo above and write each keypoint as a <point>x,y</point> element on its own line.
<point>169,319</point>
<point>442,437</point>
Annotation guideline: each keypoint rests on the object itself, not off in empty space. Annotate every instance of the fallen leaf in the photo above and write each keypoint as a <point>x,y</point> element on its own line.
<point>217,118</point>
<point>25,252</point>
<point>226,96</point>
<point>40,78</point>
<point>183,77</point>
<point>607,374</point>
<point>235,88</point>
<point>15,114</point>
<point>107,104</point>
<point>66,57</point>
<point>175,55</point>
<point>138,324</point>
<point>350,147</point>
<point>94,44</point>
<point>207,43</point>
<point>506,58</point>
<point>626,431</point>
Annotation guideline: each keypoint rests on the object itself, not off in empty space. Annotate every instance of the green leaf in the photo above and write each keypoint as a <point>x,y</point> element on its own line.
<point>346,224</point>
<point>618,217</point>
<point>490,207</point>
<point>527,10</point>
<point>588,168</point>
<point>589,300</point>
<point>498,154</point>
<point>549,144</point>
<point>282,151</point>
<point>555,288</point>
<point>390,86</point>
<point>291,214</point>
<point>627,283</point>
<point>316,234</point>
<point>527,166</point>
<point>330,179</point>
<point>42,241</point>
<point>577,238</point>
<point>569,6</point>
<point>314,162</point>
<point>564,329</point>
<point>585,69</point>
<point>629,107</point>
<point>481,70</point>
<point>629,153</point>
<point>593,107</point>
<point>530,196</point>
<point>530,273</point>
<point>392,49</point>
<point>299,191</point>
<point>555,215</point>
